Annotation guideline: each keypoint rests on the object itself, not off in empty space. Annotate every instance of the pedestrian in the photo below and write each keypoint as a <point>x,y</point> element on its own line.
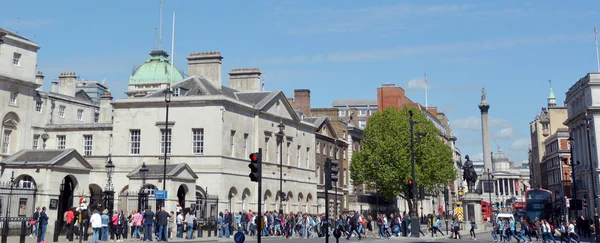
<point>353,222</point>
<point>190,218</point>
<point>171,224</point>
<point>34,223</point>
<point>96,222</point>
<point>163,223</point>
<point>473,228</point>
<point>148,221</point>
<point>43,225</point>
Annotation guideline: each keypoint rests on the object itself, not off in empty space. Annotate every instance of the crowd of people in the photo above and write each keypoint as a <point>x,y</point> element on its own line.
<point>143,225</point>
<point>304,225</point>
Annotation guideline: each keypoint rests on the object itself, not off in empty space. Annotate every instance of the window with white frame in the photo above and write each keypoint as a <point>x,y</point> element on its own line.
<point>363,112</point>
<point>266,153</point>
<point>135,136</point>
<point>198,140</point>
<point>80,114</point>
<point>87,145</point>
<point>342,113</point>
<point>61,141</point>
<point>232,143</point>
<point>6,141</point>
<point>38,106</point>
<point>13,98</point>
<point>36,141</point>
<point>165,135</point>
<point>362,124</point>
<point>298,155</point>
<point>17,59</point>
<point>245,143</point>
<point>61,111</point>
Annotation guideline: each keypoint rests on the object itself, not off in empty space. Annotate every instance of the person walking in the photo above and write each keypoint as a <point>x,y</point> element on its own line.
<point>190,218</point>
<point>473,228</point>
<point>436,226</point>
<point>43,225</point>
<point>353,224</point>
<point>34,223</point>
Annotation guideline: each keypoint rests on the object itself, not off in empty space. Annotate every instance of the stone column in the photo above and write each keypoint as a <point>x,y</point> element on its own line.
<point>485,133</point>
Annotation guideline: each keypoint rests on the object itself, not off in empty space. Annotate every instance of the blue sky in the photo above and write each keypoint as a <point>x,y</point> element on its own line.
<point>341,49</point>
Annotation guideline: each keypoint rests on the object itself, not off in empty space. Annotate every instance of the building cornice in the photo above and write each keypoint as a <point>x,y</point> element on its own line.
<point>19,82</point>
<point>78,127</point>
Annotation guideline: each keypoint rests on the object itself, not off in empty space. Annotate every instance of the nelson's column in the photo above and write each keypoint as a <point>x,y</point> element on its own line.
<point>484,107</point>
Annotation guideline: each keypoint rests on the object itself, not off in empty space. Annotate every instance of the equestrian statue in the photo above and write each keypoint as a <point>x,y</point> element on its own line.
<point>469,174</point>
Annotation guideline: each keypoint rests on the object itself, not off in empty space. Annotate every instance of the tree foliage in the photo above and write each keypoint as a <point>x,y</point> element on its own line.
<point>385,161</point>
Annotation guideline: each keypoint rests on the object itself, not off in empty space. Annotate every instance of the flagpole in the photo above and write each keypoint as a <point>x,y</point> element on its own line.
<point>597,58</point>
<point>426,88</point>
<point>172,49</point>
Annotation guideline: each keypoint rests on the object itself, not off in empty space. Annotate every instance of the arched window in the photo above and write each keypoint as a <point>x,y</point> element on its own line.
<point>9,133</point>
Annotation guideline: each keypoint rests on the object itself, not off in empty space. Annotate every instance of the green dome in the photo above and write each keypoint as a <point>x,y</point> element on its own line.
<point>156,70</point>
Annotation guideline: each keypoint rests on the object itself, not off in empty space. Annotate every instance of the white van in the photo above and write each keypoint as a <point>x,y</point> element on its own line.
<point>505,216</point>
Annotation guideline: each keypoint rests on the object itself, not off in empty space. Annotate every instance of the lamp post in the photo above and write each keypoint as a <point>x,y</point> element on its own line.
<point>572,164</point>
<point>5,227</point>
<point>167,145</point>
<point>109,192</point>
<point>414,221</point>
<point>143,196</point>
<point>279,138</point>
<point>593,173</point>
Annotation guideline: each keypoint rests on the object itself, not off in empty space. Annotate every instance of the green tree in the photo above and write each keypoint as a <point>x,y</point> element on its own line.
<point>384,163</point>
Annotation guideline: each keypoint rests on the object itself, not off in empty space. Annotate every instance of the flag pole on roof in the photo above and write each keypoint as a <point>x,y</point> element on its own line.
<point>172,48</point>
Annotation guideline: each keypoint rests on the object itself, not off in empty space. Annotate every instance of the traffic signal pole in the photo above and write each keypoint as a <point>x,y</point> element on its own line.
<point>327,184</point>
<point>256,176</point>
<point>414,219</point>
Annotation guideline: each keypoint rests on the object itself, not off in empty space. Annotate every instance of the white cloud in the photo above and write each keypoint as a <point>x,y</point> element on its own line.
<point>506,132</point>
<point>417,83</point>
<point>521,144</point>
<point>474,123</point>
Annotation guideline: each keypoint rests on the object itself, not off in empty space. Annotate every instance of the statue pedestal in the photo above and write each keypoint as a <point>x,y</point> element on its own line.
<point>472,208</point>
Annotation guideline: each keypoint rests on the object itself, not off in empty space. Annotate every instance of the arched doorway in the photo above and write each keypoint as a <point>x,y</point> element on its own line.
<point>288,204</point>
<point>245,199</point>
<point>181,192</point>
<point>230,196</point>
<point>95,197</point>
<point>309,202</point>
<point>65,198</point>
<point>267,201</point>
<point>300,207</point>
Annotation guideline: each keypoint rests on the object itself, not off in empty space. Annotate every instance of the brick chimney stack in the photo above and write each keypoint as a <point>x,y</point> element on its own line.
<point>302,100</point>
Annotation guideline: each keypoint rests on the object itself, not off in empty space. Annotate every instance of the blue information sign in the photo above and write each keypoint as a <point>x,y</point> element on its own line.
<point>239,237</point>
<point>160,194</point>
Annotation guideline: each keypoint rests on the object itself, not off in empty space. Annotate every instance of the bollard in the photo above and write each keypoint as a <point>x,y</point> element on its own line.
<point>209,228</point>
<point>56,230</point>
<point>23,232</point>
<point>201,231</point>
<point>5,232</point>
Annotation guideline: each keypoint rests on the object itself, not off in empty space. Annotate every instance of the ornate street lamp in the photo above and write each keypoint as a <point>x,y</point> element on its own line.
<point>142,195</point>
<point>279,138</point>
<point>167,147</point>
<point>109,191</point>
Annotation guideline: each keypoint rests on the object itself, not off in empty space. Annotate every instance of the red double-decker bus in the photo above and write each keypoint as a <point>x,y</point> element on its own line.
<point>538,204</point>
<point>486,210</point>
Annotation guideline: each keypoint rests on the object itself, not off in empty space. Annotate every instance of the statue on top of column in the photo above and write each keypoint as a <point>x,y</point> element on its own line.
<point>483,95</point>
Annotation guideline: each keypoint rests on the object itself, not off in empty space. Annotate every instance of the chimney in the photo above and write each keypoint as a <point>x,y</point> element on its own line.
<point>39,80</point>
<point>54,86</point>
<point>433,111</point>
<point>206,65</point>
<point>302,100</point>
<point>245,79</point>
<point>66,83</point>
<point>106,109</point>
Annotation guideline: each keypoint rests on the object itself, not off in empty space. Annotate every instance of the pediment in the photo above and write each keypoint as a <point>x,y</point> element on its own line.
<point>185,173</point>
<point>280,107</point>
<point>10,122</point>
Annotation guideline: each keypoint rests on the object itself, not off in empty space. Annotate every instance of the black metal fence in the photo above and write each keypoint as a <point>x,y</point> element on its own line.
<point>17,205</point>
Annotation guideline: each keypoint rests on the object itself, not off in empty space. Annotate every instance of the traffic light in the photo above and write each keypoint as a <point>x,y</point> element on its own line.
<point>328,174</point>
<point>334,171</point>
<point>410,189</point>
<point>422,192</point>
<point>255,166</point>
<point>446,195</point>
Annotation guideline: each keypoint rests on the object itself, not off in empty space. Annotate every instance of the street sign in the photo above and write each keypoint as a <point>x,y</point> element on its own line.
<point>239,237</point>
<point>160,194</point>
<point>337,233</point>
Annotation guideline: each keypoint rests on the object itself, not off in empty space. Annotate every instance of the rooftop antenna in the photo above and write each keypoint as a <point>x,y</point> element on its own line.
<point>172,48</point>
<point>155,39</point>
<point>160,26</point>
